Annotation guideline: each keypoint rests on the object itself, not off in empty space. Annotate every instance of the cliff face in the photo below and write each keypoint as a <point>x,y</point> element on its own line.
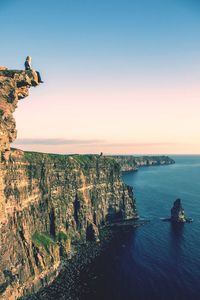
<point>48,203</point>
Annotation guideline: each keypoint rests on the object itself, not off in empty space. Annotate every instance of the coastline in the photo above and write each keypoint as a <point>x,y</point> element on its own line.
<point>133,163</point>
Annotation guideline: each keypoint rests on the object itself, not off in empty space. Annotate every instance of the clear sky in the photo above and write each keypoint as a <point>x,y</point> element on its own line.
<point>121,76</point>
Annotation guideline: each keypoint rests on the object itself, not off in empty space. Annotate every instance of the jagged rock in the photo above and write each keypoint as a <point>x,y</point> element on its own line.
<point>14,85</point>
<point>177,212</point>
<point>68,247</point>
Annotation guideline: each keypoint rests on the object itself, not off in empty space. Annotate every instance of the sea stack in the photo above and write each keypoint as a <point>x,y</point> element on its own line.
<point>177,212</point>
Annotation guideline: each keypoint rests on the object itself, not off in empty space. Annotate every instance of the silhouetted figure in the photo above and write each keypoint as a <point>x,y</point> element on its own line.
<point>28,66</point>
<point>27,63</point>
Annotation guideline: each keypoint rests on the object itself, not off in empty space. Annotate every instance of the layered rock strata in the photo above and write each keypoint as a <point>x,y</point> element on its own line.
<point>14,85</point>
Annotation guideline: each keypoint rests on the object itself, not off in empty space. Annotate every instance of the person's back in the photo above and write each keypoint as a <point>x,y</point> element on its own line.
<point>28,66</point>
<point>27,63</point>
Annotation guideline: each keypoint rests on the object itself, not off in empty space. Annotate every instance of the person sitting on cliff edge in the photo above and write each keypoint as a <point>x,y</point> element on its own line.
<point>28,66</point>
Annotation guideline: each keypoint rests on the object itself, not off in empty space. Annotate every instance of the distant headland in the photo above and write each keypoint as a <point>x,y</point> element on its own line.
<point>132,163</point>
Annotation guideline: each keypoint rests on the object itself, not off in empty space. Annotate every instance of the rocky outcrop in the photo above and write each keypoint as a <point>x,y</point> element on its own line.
<point>132,163</point>
<point>14,85</point>
<point>177,212</point>
<point>48,203</point>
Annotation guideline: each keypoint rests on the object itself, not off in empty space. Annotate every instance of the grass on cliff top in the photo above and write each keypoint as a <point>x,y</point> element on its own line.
<point>86,161</point>
<point>96,162</point>
<point>44,240</point>
<point>82,159</point>
<point>39,158</point>
<point>29,155</point>
<point>34,156</point>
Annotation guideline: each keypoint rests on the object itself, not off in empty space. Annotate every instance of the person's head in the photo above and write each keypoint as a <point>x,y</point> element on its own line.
<point>28,58</point>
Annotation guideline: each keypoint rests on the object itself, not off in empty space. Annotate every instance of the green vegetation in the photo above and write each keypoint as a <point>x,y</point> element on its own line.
<point>36,157</point>
<point>84,159</point>
<point>43,240</point>
<point>80,196</point>
<point>1,113</point>
<point>61,236</point>
<point>87,163</point>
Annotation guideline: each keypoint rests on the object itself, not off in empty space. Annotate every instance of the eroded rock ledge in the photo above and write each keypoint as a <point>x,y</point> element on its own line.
<point>14,85</point>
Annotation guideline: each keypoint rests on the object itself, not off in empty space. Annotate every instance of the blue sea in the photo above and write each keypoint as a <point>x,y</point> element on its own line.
<point>163,261</point>
<point>157,260</point>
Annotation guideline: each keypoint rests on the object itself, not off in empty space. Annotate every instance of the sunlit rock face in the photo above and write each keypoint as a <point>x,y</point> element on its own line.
<point>14,85</point>
<point>48,203</point>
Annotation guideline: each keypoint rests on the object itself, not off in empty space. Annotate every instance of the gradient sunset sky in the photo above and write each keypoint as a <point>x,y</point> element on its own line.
<point>120,76</point>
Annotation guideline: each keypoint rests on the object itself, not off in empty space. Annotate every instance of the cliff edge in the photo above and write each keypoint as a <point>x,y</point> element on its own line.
<point>48,203</point>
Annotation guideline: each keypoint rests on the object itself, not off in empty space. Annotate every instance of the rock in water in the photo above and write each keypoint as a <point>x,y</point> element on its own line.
<point>177,212</point>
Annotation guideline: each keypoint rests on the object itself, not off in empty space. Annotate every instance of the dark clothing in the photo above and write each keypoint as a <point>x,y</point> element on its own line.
<point>27,65</point>
<point>39,77</point>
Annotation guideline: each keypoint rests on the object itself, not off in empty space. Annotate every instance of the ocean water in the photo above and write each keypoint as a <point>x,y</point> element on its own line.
<point>157,260</point>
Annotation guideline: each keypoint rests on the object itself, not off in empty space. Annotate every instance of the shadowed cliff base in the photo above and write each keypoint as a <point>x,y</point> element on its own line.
<point>72,282</point>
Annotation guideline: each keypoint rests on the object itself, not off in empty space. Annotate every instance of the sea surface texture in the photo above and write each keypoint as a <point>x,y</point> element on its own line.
<point>157,260</point>
<point>163,261</point>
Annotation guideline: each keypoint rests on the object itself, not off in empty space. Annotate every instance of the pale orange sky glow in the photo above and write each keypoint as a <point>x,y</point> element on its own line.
<point>163,119</point>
